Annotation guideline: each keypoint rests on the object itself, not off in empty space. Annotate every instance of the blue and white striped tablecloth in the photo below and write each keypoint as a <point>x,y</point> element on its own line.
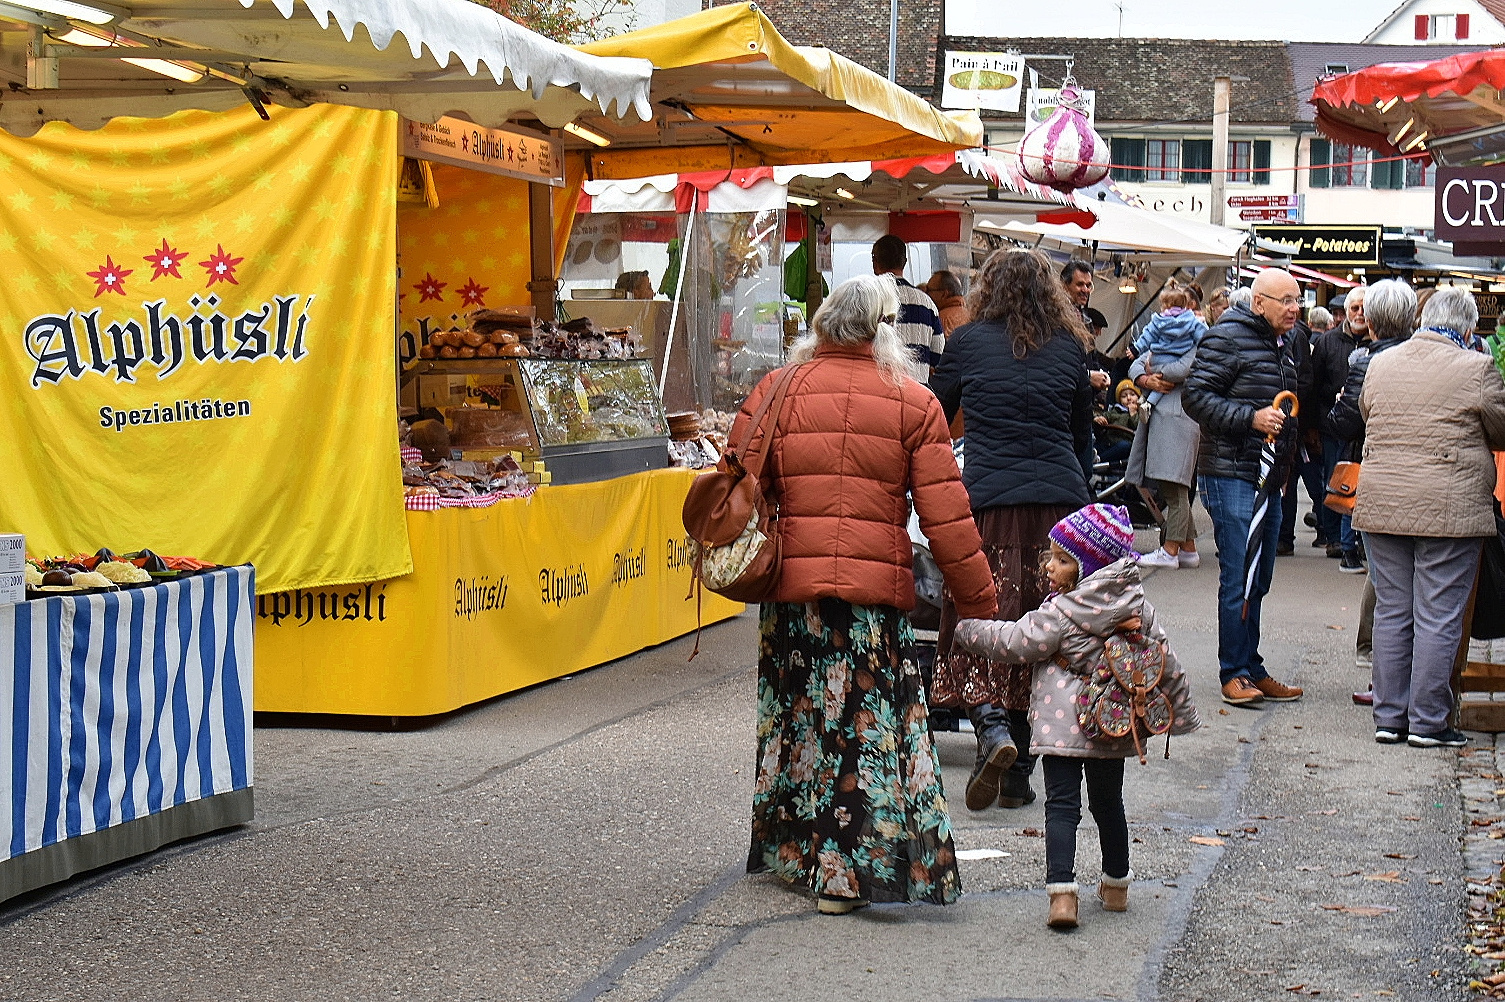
<point>121,705</point>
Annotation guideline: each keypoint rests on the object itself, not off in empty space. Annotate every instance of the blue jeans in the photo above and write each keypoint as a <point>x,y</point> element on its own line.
<point>1336,528</point>
<point>1230,502</point>
<point>1309,473</point>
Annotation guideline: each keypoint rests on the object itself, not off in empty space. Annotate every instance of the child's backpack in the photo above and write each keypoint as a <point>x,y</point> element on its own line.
<point>1122,697</point>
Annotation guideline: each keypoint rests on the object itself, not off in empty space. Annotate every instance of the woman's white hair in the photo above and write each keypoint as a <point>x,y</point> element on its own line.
<point>858,311</point>
<point>1243,296</point>
<point>1452,307</point>
<point>1390,308</point>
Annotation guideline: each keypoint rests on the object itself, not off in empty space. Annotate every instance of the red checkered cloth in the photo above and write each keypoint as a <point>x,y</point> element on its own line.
<point>410,455</point>
<point>433,502</point>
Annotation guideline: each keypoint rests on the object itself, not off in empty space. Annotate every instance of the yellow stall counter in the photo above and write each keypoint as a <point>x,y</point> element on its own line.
<point>503,597</point>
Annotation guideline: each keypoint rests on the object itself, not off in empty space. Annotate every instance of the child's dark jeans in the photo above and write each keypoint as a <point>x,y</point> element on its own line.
<point>1063,812</point>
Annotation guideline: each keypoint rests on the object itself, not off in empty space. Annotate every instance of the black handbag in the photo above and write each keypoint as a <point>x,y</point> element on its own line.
<point>1489,606</point>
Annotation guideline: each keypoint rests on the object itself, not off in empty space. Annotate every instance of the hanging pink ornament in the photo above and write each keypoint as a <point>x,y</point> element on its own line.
<point>1064,152</point>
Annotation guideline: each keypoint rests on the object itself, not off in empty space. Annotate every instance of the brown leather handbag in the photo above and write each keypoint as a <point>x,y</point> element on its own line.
<point>1343,488</point>
<point>736,546</point>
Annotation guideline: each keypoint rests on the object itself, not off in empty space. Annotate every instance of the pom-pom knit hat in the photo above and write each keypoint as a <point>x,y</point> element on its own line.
<point>1096,536</point>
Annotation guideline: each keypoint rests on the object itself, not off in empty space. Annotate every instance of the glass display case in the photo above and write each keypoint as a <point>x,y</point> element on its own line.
<point>587,419</point>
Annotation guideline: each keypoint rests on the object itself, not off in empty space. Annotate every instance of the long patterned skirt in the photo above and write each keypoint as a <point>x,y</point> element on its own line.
<point>1014,537</point>
<point>848,800</point>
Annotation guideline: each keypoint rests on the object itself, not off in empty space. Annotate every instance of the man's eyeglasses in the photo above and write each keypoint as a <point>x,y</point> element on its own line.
<point>1287,302</point>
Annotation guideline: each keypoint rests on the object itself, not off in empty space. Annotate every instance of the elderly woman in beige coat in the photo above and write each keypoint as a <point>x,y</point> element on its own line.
<point>1433,407</point>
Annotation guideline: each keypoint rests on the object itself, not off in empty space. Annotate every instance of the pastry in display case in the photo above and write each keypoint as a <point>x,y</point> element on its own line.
<point>588,419</point>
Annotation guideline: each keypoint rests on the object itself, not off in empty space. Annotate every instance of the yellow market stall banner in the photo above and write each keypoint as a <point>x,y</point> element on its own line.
<point>526,590</point>
<point>196,319</point>
<point>469,253</point>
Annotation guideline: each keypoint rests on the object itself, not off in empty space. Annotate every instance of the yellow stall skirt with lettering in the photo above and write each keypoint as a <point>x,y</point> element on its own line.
<point>503,597</point>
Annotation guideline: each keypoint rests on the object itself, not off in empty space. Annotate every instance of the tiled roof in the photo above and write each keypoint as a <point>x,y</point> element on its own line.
<point>1309,59</point>
<point>1496,9</point>
<point>1161,79</point>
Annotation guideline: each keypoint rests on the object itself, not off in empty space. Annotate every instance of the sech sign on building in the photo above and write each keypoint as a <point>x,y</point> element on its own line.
<point>1470,209</point>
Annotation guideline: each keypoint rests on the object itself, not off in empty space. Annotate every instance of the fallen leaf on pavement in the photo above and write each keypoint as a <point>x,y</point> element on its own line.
<point>1363,911</point>
<point>1205,840</point>
<point>1303,990</point>
<point>1032,833</point>
<point>1334,626</point>
<point>1399,855</point>
<point>1389,877</point>
<point>1350,873</point>
<point>1392,793</point>
<point>1251,830</point>
<point>1334,811</point>
<point>1410,817</point>
<point>1495,979</point>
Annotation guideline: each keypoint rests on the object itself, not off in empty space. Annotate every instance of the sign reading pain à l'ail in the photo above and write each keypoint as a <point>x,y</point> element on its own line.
<point>1322,245</point>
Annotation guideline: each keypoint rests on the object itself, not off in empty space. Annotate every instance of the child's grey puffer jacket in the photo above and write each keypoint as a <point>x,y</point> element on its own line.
<point>1064,640</point>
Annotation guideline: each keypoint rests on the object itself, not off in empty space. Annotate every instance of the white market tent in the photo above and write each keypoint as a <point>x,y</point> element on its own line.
<point>65,60</point>
<point>1127,229</point>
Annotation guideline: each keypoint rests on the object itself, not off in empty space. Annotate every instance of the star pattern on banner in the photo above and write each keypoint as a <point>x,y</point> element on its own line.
<point>165,260</point>
<point>430,288</point>
<point>472,294</point>
<point>109,278</point>
<point>221,266</point>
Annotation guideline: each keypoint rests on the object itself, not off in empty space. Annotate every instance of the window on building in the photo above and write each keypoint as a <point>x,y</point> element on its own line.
<point>1335,69</point>
<point>1420,172</point>
<point>1240,159</point>
<point>1350,166</point>
<point>1163,158</point>
<point>1441,27</point>
<point>1128,159</point>
<point>1386,173</point>
<point>1196,161</point>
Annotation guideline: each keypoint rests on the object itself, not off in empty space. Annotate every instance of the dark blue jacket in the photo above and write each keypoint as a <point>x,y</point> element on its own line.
<point>1241,365</point>
<point>1028,419</point>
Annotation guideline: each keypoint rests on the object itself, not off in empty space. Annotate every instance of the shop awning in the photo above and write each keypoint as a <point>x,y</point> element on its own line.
<point>1127,229</point>
<point>459,58</point>
<point>956,180</point>
<point>730,92</point>
<point>1308,275</point>
<point>1387,107</point>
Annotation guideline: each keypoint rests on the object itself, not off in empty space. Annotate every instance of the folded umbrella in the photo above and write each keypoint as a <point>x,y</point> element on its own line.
<point>1265,503</point>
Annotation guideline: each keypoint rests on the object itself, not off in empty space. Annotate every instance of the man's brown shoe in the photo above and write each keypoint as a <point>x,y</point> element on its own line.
<point>1276,692</point>
<point>1241,692</point>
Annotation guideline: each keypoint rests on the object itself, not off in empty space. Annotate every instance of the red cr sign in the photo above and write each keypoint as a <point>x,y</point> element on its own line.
<point>1470,203</point>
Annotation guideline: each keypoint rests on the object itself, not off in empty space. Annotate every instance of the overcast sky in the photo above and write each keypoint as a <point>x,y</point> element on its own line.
<point>1280,20</point>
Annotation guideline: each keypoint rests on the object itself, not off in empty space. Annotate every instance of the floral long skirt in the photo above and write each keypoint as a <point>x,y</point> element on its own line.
<point>1014,538</point>
<point>848,800</point>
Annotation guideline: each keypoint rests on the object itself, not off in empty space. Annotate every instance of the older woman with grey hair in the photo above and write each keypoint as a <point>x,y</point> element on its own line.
<point>1433,408</point>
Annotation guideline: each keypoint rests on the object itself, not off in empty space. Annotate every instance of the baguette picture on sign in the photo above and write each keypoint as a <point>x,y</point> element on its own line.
<point>1322,245</point>
<point>981,80</point>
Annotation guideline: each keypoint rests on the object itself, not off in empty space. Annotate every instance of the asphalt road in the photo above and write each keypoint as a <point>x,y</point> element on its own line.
<point>586,840</point>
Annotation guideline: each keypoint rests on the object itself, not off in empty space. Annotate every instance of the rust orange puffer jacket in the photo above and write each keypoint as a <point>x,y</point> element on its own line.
<point>850,447</point>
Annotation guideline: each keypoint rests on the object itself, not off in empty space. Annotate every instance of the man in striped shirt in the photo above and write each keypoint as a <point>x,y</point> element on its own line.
<point>919,324</point>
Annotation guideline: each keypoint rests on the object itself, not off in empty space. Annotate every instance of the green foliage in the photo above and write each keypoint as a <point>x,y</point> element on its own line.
<point>572,23</point>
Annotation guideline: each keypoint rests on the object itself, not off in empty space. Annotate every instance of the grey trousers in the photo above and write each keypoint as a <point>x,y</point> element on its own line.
<point>1364,646</point>
<point>1421,589</point>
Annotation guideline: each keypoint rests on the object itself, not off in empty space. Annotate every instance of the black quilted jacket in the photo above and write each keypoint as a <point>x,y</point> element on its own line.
<point>1027,418</point>
<point>1241,366</point>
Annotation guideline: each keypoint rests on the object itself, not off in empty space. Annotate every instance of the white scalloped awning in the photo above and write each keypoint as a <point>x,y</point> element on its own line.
<point>460,58</point>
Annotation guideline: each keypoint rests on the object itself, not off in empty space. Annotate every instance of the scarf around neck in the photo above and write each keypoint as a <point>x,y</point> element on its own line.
<point>1466,341</point>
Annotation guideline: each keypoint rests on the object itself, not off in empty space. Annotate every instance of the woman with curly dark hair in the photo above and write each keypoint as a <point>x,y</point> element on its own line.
<point>1019,373</point>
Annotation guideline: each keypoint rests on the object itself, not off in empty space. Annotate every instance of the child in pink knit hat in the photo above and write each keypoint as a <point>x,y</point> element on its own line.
<point>1093,570</point>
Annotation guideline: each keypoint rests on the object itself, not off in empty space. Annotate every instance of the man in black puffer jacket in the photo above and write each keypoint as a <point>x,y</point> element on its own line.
<point>1242,363</point>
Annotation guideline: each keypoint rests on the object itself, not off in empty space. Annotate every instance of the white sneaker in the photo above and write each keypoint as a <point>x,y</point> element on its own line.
<point>1189,558</point>
<point>1159,558</point>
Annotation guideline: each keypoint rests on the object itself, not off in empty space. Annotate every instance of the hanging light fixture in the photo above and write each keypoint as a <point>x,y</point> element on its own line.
<point>92,13</point>
<point>186,72</point>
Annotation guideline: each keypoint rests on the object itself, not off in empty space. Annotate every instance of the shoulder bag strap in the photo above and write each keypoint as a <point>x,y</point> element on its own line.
<point>769,412</point>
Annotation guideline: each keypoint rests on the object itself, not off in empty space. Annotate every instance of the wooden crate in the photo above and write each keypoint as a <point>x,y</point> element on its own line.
<point>1481,676</point>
